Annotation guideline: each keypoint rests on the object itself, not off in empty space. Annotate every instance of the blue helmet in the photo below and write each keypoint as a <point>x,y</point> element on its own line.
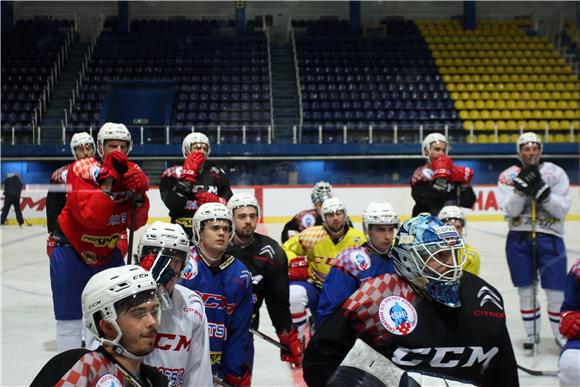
<point>430,255</point>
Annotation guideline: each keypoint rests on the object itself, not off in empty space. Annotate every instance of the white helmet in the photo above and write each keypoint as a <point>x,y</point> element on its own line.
<point>379,213</point>
<point>451,212</point>
<point>526,138</point>
<point>165,239</point>
<point>210,211</point>
<point>432,138</point>
<point>243,199</point>
<point>113,131</point>
<point>320,192</point>
<point>82,138</point>
<point>108,287</point>
<point>194,138</point>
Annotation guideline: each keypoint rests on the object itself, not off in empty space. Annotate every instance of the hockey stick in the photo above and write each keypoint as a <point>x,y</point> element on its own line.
<point>269,339</point>
<point>534,278</point>
<point>537,372</point>
<point>131,229</point>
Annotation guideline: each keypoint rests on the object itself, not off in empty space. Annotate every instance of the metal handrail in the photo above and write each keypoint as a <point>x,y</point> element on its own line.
<point>298,84</point>
<point>267,32</point>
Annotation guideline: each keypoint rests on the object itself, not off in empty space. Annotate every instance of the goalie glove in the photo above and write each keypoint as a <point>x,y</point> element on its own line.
<point>525,182</point>
<point>160,268</point>
<point>570,324</point>
<point>291,340</point>
<point>442,167</point>
<point>114,165</point>
<point>191,167</point>
<point>298,270</point>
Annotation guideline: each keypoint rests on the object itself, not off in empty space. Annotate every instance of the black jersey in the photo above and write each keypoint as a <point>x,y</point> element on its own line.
<point>469,343</point>
<point>182,205</point>
<point>269,266</point>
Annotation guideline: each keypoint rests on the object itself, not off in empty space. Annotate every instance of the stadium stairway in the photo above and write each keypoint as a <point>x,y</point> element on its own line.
<point>51,122</point>
<point>284,93</point>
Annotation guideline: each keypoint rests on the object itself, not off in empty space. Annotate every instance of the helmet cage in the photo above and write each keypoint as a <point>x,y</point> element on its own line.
<point>321,191</point>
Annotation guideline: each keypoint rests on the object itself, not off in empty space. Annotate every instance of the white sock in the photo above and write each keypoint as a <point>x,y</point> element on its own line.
<point>68,334</point>
<point>298,302</point>
<point>529,315</point>
<point>555,300</point>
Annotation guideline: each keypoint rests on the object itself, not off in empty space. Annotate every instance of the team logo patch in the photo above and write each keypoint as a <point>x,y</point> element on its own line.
<point>360,259</point>
<point>89,257</point>
<point>397,315</point>
<point>190,270</point>
<point>308,220</point>
<point>109,381</point>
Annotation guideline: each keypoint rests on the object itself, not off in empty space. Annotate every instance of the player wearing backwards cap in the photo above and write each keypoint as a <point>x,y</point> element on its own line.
<point>269,266</point>
<point>121,307</point>
<point>95,216</point>
<point>356,265</point>
<point>182,344</point>
<point>184,188</point>
<point>429,323</point>
<point>225,285</point>
<point>536,197</point>
<point>453,216</point>
<point>439,182</point>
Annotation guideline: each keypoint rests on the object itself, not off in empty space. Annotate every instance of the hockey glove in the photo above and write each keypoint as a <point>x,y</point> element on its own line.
<point>136,181</point>
<point>241,381</point>
<point>570,324</point>
<point>159,266</point>
<point>442,167</point>
<point>191,167</point>
<point>208,197</point>
<point>461,175</point>
<point>527,180</point>
<point>50,245</point>
<point>291,340</point>
<point>123,244</point>
<point>541,191</point>
<point>298,270</point>
<point>114,165</point>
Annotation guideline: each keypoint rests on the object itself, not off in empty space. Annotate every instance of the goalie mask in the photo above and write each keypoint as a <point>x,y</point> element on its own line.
<point>113,131</point>
<point>194,138</point>
<point>79,139</point>
<point>430,255</point>
<point>321,191</point>
<point>110,290</point>
<point>430,140</point>
<point>207,212</point>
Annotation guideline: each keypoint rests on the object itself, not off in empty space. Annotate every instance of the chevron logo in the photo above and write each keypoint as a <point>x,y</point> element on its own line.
<point>267,251</point>
<point>485,295</point>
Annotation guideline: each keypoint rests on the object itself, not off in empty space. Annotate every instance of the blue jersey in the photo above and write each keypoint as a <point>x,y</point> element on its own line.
<point>572,298</point>
<point>351,268</point>
<point>227,293</point>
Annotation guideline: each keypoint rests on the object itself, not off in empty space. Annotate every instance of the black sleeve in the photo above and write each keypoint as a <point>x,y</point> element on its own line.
<point>428,198</point>
<point>156,378</point>
<point>467,197</point>
<point>173,198</point>
<point>55,202</point>
<point>328,348</point>
<point>277,297</point>
<point>290,226</point>
<point>225,190</point>
<point>57,367</point>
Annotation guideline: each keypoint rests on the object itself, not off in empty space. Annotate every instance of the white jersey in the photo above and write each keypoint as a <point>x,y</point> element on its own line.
<point>550,213</point>
<point>182,344</point>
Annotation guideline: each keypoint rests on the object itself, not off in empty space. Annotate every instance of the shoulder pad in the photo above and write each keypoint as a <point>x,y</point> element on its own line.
<point>172,171</point>
<point>87,169</point>
<point>311,236</point>
<point>507,176</point>
<point>59,176</point>
<point>422,174</point>
<point>190,271</point>
<point>306,218</point>
<point>353,260</point>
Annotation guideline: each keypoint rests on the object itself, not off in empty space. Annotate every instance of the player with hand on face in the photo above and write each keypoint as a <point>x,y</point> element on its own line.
<point>121,307</point>
<point>225,285</point>
<point>269,266</point>
<point>184,188</point>
<point>440,181</point>
<point>452,215</point>
<point>356,265</point>
<point>536,196</point>
<point>427,321</point>
<point>182,344</point>
<point>96,215</point>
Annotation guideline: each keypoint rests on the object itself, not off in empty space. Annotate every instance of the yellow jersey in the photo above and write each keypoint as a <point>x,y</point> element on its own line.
<point>472,262</point>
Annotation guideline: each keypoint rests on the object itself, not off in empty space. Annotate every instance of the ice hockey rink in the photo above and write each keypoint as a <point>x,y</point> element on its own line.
<point>27,323</point>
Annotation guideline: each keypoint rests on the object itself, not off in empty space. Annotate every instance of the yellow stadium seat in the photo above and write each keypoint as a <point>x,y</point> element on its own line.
<point>559,137</point>
<point>501,125</point>
<point>479,125</point>
<point>506,114</point>
<point>468,125</point>
<point>511,125</point>
<point>482,138</point>
<point>464,115</point>
<point>504,138</point>
<point>510,104</point>
<point>516,114</point>
<point>533,125</point>
<point>480,104</point>
<point>484,114</point>
<point>471,139</point>
<point>558,114</point>
<point>490,125</point>
<point>459,105</point>
<point>549,138</point>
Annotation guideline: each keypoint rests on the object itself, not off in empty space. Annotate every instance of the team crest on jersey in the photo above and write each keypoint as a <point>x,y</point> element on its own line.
<point>360,259</point>
<point>398,315</point>
<point>109,381</point>
<point>190,270</point>
<point>308,220</point>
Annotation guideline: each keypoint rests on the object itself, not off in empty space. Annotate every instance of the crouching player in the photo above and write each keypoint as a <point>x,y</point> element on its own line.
<point>182,344</point>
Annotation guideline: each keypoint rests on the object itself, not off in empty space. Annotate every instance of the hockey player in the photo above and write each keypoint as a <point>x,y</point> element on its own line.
<point>88,229</point>
<point>535,199</point>
<point>269,266</point>
<point>439,182</point>
<point>225,285</point>
<point>186,187</point>
<point>121,307</point>
<point>182,344</point>
<point>311,217</point>
<point>355,265</point>
<point>569,370</point>
<point>428,317</point>
<point>453,216</point>
<point>311,254</point>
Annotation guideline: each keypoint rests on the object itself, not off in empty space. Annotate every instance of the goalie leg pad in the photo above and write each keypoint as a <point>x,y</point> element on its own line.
<point>68,334</point>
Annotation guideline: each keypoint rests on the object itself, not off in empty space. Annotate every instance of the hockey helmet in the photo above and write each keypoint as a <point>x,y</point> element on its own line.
<point>194,138</point>
<point>320,192</point>
<point>243,199</point>
<point>113,131</point>
<point>431,139</point>
<point>164,239</point>
<point>330,206</point>
<point>210,211</point>
<point>78,139</point>
<point>106,289</point>
<point>379,213</point>
<point>526,138</point>
<point>451,212</point>
<point>419,243</point>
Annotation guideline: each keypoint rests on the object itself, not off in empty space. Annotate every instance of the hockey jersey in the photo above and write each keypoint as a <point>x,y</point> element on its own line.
<point>469,343</point>
<point>182,345</point>
<point>352,267</point>
<point>300,222</point>
<point>182,209</point>
<point>550,213</point>
<point>572,298</point>
<point>227,294</point>
<point>320,250</point>
<point>84,368</point>
<point>269,266</point>
<point>92,221</point>
<point>56,196</point>
<point>472,261</point>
